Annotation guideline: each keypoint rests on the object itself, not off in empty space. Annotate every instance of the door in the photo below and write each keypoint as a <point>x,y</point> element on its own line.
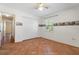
<point>7,29</point>
<point>1,26</point>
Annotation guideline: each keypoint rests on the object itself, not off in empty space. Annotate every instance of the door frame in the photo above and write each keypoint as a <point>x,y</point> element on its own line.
<point>13,30</point>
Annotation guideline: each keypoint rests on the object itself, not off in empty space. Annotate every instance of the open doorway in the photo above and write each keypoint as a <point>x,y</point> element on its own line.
<point>8,29</point>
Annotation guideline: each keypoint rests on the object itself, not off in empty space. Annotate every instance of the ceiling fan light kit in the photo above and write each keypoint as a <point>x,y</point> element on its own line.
<point>41,6</point>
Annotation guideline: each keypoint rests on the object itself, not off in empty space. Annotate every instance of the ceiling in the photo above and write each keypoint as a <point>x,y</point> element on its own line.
<point>30,8</point>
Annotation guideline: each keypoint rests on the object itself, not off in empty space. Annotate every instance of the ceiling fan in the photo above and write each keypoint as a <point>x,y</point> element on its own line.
<point>41,6</point>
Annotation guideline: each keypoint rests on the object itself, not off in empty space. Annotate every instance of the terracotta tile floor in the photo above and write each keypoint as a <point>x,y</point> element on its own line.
<point>38,46</point>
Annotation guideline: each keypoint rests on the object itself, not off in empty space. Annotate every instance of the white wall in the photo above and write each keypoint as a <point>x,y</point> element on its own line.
<point>28,30</point>
<point>30,24</point>
<point>65,34</point>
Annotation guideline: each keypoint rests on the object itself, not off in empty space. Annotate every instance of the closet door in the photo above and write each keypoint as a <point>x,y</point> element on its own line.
<point>1,32</point>
<point>7,30</point>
